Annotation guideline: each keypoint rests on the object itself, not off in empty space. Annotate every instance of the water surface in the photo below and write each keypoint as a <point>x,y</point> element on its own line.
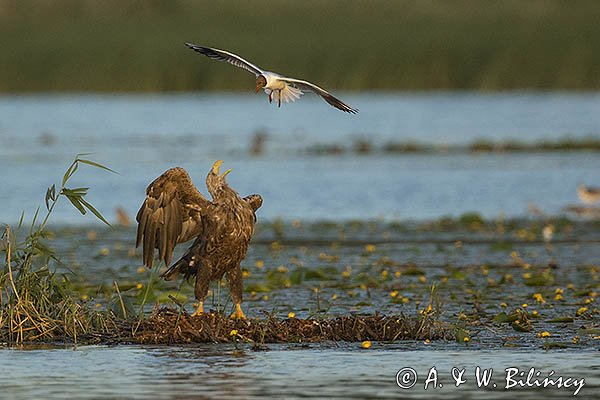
<point>141,136</point>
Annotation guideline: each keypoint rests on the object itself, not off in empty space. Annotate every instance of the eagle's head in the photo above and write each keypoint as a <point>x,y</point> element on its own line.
<point>215,181</point>
<point>261,82</point>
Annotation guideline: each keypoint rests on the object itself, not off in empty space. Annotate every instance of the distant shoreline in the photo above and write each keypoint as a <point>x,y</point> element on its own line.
<point>86,46</point>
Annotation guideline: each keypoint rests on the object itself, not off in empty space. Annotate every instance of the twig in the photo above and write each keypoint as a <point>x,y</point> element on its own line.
<point>8,263</point>
<point>120,300</point>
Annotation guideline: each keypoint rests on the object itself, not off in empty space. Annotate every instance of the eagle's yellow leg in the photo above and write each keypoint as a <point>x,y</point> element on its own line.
<point>238,314</point>
<point>199,310</point>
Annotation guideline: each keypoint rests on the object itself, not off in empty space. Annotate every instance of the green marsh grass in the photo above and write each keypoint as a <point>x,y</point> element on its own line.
<point>35,302</point>
<point>137,46</point>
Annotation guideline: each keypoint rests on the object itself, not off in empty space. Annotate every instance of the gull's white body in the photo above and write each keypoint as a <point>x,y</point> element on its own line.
<point>277,87</point>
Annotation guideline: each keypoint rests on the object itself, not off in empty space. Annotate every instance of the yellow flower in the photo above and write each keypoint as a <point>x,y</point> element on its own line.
<point>535,313</point>
<point>428,310</point>
<point>539,298</point>
<point>370,248</point>
<point>588,301</point>
<point>575,340</point>
<point>384,273</point>
<point>245,273</point>
<point>405,300</point>
<point>427,341</point>
<point>282,269</point>
<point>544,334</point>
<point>85,297</point>
<point>259,264</point>
<point>466,339</point>
<point>558,296</point>
<point>334,296</point>
<point>366,344</point>
<point>558,290</point>
<point>233,332</point>
<point>422,279</point>
<point>581,310</point>
<point>265,297</point>
<point>524,305</point>
<point>363,286</point>
<point>139,286</point>
<point>346,273</point>
<point>527,275</point>
<point>570,286</point>
<point>397,274</point>
<point>503,305</point>
<point>141,270</point>
<point>104,251</point>
<point>394,294</point>
<point>291,314</point>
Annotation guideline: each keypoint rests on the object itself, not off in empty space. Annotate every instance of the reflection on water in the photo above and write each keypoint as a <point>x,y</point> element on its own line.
<point>141,136</point>
<point>318,372</point>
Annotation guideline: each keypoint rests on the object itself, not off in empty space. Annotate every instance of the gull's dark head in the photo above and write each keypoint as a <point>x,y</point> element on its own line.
<point>261,82</point>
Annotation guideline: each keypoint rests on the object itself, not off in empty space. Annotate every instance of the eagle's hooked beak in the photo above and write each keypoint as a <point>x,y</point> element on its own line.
<point>216,165</point>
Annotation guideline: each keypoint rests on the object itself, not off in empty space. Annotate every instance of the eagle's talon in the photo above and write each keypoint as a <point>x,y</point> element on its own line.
<point>238,314</point>
<point>199,311</point>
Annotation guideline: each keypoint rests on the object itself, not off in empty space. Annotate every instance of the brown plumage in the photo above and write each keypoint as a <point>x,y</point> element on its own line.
<point>175,212</point>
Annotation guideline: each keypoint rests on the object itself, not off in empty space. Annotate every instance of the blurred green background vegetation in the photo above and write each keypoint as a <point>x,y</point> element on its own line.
<point>135,45</point>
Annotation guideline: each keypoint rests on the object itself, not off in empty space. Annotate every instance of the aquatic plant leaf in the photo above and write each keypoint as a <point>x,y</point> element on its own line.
<point>76,201</point>
<point>521,327</point>
<point>94,211</point>
<point>75,192</point>
<point>589,331</point>
<point>460,334</point>
<point>50,195</point>
<point>69,173</point>
<point>95,164</point>
<point>504,317</point>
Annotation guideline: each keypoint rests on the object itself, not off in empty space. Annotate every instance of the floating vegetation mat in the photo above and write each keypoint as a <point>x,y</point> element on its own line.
<point>468,282</point>
<point>169,326</point>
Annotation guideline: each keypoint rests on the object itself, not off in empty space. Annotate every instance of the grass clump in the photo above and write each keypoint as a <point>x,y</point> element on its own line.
<point>35,303</point>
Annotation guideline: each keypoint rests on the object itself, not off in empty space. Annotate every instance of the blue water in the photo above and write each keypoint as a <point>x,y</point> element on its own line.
<point>217,371</point>
<point>142,135</point>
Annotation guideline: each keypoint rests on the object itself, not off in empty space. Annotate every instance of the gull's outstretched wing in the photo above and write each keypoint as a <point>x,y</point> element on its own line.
<point>328,97</point>
<point>171,214</point>
<point>222,55</point>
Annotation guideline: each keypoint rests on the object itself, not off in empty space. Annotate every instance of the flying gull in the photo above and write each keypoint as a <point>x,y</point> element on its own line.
<point>277,87</point>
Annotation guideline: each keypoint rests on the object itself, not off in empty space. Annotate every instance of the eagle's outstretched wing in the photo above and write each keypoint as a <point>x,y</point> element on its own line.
<point>222,55</point>
<point>328,97</point>
<point>171,214</point>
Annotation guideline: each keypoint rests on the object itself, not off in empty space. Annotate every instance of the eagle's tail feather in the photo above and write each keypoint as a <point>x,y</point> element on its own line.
<point>186,265</point>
